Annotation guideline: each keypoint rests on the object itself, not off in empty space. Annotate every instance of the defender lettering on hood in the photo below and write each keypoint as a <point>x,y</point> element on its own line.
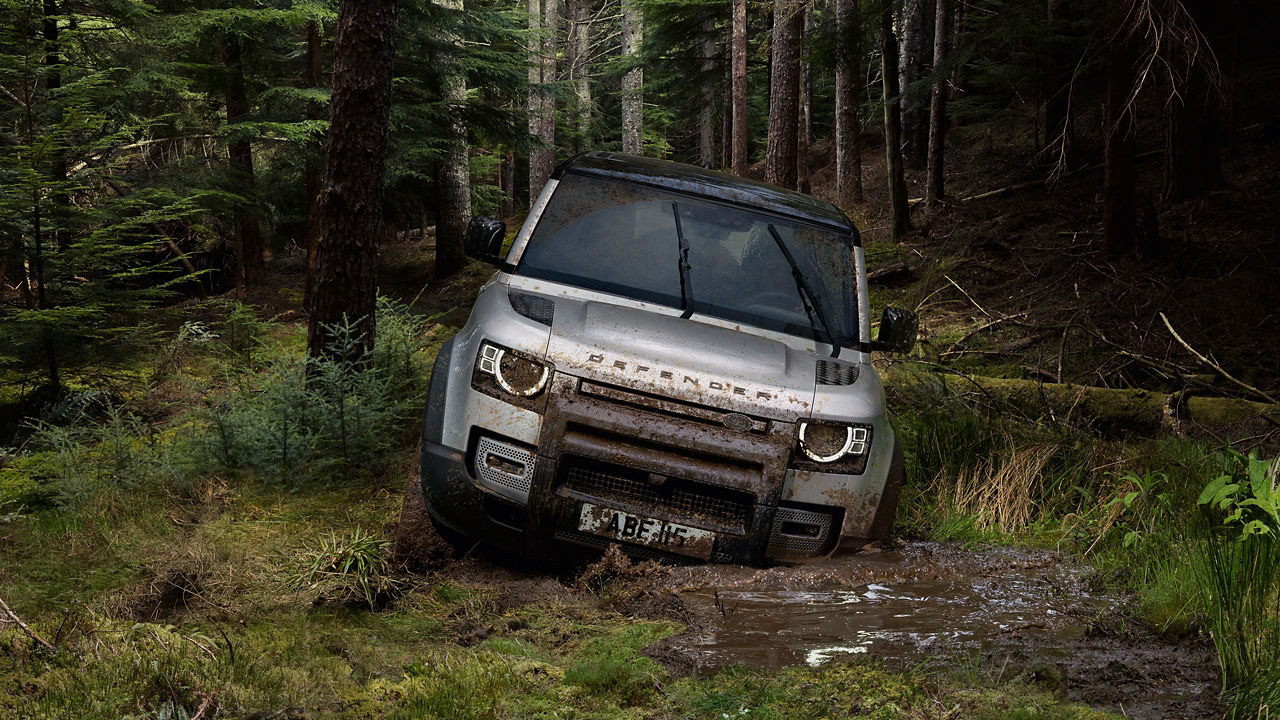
<point>696,382</point>
<point>672,360</point>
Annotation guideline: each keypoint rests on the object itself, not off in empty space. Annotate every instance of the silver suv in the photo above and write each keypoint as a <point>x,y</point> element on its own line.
<point>673,359</point>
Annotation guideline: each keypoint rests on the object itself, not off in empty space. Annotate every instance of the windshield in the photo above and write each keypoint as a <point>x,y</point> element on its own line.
<point>623,238</point>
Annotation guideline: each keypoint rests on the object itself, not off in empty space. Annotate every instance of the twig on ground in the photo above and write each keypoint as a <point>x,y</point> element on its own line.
<point>13,617</point>
<point>967,295</point>
<point>1215,365</point>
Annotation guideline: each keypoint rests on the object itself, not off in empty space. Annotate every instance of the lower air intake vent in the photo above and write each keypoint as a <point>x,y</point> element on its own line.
<point>799,532</point>
<point>831,372</point>
<point>537,309</point>
<point>504,469</point>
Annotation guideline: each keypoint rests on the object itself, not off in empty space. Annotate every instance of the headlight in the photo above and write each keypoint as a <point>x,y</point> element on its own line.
<point>514,372</point>
<point>833,447</point>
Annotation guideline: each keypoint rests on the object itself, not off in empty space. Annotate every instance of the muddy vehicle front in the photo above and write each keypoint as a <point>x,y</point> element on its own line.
<point>672,359</point>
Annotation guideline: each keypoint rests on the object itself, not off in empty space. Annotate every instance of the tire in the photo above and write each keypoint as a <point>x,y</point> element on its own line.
<point>418,545</point>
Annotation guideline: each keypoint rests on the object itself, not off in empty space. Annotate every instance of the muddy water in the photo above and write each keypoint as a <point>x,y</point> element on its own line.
<point>1002,612</point>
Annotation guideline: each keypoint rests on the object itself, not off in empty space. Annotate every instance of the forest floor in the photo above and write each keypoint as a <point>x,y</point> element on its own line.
<point>1070,596</point>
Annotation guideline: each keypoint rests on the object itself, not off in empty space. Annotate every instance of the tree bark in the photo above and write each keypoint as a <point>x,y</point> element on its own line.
<point>784,94</point>
<point>893,125</point>
<point>507,172</point>
<point>633,81</point>
<point>938,105</point>
<point>351,205</point>
<point>916,26</point>
<point>248,240</point>
<point>313,175</point>
<point>739,42</point>
<point>706,114</point>
<point>805,120</point>
<point>1057,104</point>
<point>543,24</point>
<point>848,97</point>
<point>580,71</point>
<point>1193,134</point>
<point>1120,203</point>
<point>455,171</point>
<point>61,203</point>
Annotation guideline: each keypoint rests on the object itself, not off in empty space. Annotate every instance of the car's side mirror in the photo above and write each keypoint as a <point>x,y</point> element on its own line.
<point>484,239</point>
<point>898,331</point>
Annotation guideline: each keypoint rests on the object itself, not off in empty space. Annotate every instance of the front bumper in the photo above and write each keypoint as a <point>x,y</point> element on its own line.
<point>653,458</point>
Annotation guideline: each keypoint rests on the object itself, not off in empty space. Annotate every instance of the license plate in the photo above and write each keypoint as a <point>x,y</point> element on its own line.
<point>641,530</point>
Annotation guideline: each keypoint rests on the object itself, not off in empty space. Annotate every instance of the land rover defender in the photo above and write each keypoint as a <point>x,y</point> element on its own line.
<point>673,359</point>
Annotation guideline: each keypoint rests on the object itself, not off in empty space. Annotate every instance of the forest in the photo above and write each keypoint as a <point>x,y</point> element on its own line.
<point>232,245</point>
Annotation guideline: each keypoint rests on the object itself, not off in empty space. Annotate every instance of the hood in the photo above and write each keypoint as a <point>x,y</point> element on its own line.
<point>682,359</point>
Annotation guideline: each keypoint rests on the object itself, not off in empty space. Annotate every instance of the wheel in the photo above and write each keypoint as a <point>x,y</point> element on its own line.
<point>418,545</point>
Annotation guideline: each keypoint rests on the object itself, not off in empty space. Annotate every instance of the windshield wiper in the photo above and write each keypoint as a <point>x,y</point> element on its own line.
<point>807,297</point>
<point>686,285</point>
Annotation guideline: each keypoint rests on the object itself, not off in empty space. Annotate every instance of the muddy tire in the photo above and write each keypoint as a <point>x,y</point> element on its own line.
<point>418,546</point>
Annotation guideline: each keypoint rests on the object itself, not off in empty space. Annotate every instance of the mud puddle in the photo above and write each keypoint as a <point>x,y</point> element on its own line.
<point>1000,612</point>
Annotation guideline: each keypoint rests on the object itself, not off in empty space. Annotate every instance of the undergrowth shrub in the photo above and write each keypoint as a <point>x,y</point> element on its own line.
<point>353,568</point>
<point>1239,570</point>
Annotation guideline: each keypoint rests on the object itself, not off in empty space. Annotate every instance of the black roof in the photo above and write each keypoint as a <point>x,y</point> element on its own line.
<point>708,183</point>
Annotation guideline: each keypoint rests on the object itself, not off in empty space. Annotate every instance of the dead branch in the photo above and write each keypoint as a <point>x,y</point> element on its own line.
<point>966,294</point>
<point>13,617</point>
<point>1215,365</point>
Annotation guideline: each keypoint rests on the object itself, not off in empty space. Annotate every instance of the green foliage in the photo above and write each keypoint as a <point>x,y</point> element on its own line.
<point>1239,571</point>
<point>349,568</point>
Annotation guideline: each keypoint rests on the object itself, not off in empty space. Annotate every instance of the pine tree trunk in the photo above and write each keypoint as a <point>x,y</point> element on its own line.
<point>351,205</point>
<point>739,42</point>
<point>507,171</point>
<point>633,81</point>
<point>848,96</point>
<point>1193,134</point>
<point>248,242</point>
<point>313,176</point>
<point>61,203</point>
<point>579,51</point>
<point>542,69</point>
<point>938,105</point>
<point>455,171</point>
<point>1057,104</point>
<point>893,124</point>
<point>784,94</point>
<point>706,114</point>
<point>916,25</point>
<point>1120,203</point>
<point>805,120</point>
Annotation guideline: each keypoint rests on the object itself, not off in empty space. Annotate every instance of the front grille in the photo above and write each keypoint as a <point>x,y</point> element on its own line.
<point>676,408</point>
<point>692,502</point>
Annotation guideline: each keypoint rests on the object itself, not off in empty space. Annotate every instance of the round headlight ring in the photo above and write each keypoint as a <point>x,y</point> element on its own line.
<point>507,386</point>
<point>804,447</point>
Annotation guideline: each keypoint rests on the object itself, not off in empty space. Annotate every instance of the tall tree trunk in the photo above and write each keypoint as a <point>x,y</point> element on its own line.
<point>1120,203</point>
<point>507,171</point>
<point>848,97</point>
<point>455,171</point>
<point>351,206</point>
<point>1057,104</point>
<point>893,124</point>
<point>739,41</point>
<point>916,24</point>
<point>1193,134</point>
<point>580,70</point>
<point>938,104</point>
<point>784,94</point>
<point>706,114</point>
<point>543,23</point>
<point>805,120</point>
<point>633,81</point>
<point>60,205</point>
<point>248,242</point>
<point>313,173</point>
